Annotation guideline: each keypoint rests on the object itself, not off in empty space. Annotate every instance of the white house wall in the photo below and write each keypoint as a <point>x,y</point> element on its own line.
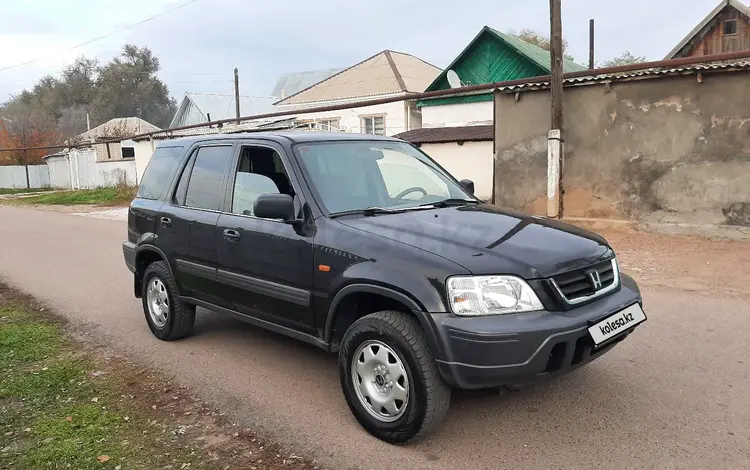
<point>88,173</point>
<point>472,160</point>
<point>460,114</point>
<point>143,151</point>
<point>350,119</point>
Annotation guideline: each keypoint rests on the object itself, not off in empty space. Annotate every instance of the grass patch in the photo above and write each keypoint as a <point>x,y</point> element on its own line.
<point>110,196</point>
<point>70,405</point>
<point>57,413</point>
<point>4,191</point>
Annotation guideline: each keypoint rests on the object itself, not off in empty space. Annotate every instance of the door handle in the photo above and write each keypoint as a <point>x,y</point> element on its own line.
<point>165,222</point>
<point>232,235</point>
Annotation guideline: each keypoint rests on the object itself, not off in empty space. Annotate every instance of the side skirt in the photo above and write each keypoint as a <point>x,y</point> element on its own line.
<point>260,323</point>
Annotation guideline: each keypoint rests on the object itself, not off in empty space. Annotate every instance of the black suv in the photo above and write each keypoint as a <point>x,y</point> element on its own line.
<point>364,246</point>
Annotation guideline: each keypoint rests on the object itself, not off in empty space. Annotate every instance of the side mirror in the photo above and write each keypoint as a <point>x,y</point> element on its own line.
<point>468,185</point>
<point>275,206</point>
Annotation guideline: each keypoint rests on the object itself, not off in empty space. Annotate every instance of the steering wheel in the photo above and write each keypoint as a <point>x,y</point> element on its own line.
<point>413,189</point>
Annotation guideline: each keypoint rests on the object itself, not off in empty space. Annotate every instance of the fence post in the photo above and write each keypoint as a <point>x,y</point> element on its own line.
<point>26,166</point>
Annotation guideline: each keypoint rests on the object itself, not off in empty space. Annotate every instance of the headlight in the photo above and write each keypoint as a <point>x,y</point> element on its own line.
<point>491,295</point>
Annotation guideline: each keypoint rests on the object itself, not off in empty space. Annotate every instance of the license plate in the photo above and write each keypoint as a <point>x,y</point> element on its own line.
<point>616,324</point>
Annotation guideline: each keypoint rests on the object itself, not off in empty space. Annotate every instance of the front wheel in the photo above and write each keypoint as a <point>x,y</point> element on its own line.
<point>390,379</point>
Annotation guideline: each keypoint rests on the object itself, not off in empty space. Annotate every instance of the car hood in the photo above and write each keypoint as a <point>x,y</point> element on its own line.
<point>485,239</point>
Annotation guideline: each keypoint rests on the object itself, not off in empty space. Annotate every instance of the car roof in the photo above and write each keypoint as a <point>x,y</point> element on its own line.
<point>293,137</point>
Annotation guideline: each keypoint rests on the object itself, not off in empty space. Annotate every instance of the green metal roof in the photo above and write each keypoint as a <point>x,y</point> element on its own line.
<point>536,53</point>
<point>491,57</point>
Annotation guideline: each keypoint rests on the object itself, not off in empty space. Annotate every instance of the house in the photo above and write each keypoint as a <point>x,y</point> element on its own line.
<point>725,29</point>
<point>197,108</point>
<point>490,57</point>
<point>117,128</point>
<point>95,164</point>
<point>387,73</point>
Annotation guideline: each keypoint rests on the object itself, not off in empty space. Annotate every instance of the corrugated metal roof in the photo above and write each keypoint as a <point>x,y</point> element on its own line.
<point>117,127</point>
<point>196,107</point>
<point>292,83</point>
<point>448,134</point>
<point>724,3</point>
<point>540,56</point>
<point>636,74</point>
<point>376,75</point>
<point>229,128</point>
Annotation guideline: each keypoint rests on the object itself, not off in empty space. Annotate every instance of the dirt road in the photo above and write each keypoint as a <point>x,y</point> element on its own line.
<point>674,395</point>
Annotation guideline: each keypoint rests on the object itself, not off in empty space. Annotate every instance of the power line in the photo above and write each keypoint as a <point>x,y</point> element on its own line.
<point>182,5</point>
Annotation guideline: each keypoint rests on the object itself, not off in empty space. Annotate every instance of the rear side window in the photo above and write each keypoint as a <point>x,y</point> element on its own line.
<point>159,172</point>
<point>207,177</point>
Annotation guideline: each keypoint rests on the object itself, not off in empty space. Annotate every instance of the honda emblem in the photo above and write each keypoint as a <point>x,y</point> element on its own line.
<point>596,281</point>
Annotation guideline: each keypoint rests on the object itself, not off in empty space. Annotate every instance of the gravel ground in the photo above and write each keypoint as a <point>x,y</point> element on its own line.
<point>700,265</point>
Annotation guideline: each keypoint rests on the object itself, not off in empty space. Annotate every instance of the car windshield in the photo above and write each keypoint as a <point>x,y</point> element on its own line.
<point>352,176</point>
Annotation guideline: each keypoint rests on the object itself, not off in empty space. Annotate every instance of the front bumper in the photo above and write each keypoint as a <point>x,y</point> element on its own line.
<point>521,349</point>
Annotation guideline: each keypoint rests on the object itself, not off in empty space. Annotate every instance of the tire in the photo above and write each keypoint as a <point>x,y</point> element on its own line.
<point>375,336</point>
<point>174,319</point>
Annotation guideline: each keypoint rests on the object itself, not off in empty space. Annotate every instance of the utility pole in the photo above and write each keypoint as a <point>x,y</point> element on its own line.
<point>237,93</point>
<point>555,136</point>
<point>591,43</point>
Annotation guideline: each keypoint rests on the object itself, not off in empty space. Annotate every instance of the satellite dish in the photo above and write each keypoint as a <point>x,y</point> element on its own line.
<point>453,79</point>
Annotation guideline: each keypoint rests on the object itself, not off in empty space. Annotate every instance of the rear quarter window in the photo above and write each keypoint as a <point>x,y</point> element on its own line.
<point>159,171</point>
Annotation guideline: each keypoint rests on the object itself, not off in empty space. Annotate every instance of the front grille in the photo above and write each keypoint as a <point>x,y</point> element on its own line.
<point>581,285</point>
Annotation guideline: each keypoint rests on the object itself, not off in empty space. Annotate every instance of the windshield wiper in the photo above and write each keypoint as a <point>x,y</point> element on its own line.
<point>451,202</point>
<point>371,211</point>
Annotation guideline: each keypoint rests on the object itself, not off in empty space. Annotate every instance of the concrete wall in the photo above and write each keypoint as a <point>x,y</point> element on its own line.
<point>656,150</point>
<point>472,160</point>
<point>460,114</point>
<point>14,176</point>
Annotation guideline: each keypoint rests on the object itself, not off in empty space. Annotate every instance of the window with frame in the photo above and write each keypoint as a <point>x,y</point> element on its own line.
<point>328,125</point>
<point>729,28</point>
<point>207,177</point>
<point>373,125</point>
<point>260,170</point>
<point>127,152</point>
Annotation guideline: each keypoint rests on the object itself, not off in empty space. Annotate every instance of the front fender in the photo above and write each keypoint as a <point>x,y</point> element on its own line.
<point>425,320</point>
<point>428,293</point>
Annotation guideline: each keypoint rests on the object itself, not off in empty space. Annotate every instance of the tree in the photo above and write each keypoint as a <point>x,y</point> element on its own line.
<point>128,86</point>
<point>72,121</point>
<point>539,40</point>
<point>626,58</point>
<point>23,125</point>
<point>79,79</point>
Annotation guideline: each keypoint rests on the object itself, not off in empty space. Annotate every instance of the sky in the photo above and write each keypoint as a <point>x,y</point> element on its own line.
<point>199,44</point>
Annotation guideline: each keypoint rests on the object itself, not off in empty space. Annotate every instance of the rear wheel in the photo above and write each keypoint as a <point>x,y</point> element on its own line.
<point>390,379</point>
<point>167,317</point>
